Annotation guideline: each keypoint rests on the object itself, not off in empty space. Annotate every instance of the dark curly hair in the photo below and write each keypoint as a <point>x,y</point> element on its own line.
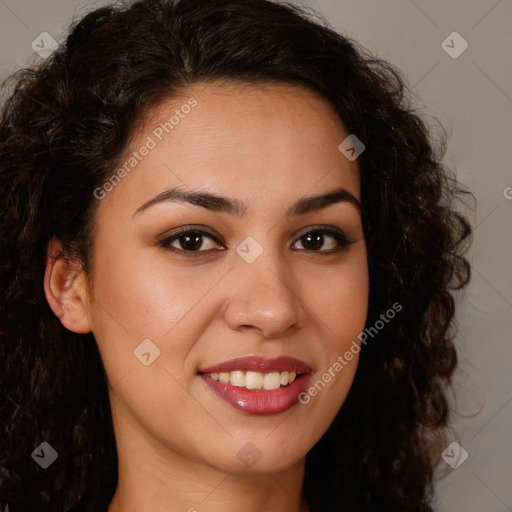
<point>63,129</point>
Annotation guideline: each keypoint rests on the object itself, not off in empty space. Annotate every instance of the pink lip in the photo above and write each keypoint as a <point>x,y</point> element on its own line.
<point>260,364</point>
<point>260,401</point>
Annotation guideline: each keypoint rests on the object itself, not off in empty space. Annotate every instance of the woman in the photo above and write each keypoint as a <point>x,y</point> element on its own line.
<point>213,214</point>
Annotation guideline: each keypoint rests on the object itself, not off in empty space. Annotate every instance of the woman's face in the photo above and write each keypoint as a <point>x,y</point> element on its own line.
<point>265,274</point>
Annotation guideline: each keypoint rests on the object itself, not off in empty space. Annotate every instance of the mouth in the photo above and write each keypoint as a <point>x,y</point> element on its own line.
<point>257,385</point>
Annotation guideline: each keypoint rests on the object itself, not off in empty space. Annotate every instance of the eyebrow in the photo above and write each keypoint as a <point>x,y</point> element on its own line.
<point>238,208</point>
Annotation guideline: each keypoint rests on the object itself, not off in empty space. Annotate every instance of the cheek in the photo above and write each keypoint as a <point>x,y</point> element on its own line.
<point>340,306</point>
<point>146,295</point>
<point>138,298</point>
<point>340,301</point>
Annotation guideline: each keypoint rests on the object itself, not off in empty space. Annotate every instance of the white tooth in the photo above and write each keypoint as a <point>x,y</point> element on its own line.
<point>284,378</point>
<point>253,380</point>
<point>271,380</point>
<point>291,377</point>
<point>214,376</point>
<point>237,378</point>
<point>224,377</point>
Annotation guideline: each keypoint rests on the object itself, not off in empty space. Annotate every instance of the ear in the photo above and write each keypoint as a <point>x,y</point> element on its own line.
<point>65,286</point>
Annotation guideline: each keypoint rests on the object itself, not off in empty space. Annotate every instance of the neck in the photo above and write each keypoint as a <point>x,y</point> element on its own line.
<point>161,480</point>
<point>197,490</point>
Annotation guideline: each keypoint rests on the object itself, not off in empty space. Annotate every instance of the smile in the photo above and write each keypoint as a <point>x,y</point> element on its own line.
<point>257,385</point>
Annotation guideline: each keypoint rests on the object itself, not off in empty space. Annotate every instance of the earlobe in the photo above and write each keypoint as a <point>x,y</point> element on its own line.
<point>65,286</point>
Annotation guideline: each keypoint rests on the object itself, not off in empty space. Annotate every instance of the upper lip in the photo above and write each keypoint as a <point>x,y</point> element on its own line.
<point>260,364</point>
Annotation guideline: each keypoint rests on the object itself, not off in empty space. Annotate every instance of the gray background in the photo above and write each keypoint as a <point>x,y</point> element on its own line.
<point>472,98</point>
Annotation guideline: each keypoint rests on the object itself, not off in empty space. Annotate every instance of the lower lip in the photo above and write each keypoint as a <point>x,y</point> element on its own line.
<point>259,401</point>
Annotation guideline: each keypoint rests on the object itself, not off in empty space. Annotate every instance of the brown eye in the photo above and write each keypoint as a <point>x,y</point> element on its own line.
<point>190,242</point>
<point>324,240</point>
<point>313,241</point>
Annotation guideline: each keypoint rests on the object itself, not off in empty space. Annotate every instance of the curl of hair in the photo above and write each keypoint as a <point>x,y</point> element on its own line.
<point>63,128</point>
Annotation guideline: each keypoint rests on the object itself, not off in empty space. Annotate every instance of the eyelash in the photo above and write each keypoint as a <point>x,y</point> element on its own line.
<point>341,239</point>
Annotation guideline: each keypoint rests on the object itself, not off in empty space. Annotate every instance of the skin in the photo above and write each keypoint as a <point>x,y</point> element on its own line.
<point>177,442</point>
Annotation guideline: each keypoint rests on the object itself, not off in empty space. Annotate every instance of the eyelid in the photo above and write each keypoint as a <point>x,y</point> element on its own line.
<point>191,228</point>
<point>321,228</point>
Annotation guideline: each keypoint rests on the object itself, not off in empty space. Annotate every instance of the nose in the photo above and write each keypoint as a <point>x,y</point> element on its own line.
<point>264,297</point>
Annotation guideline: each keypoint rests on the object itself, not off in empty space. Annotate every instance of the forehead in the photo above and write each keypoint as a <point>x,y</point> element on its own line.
<point>239,139</point>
